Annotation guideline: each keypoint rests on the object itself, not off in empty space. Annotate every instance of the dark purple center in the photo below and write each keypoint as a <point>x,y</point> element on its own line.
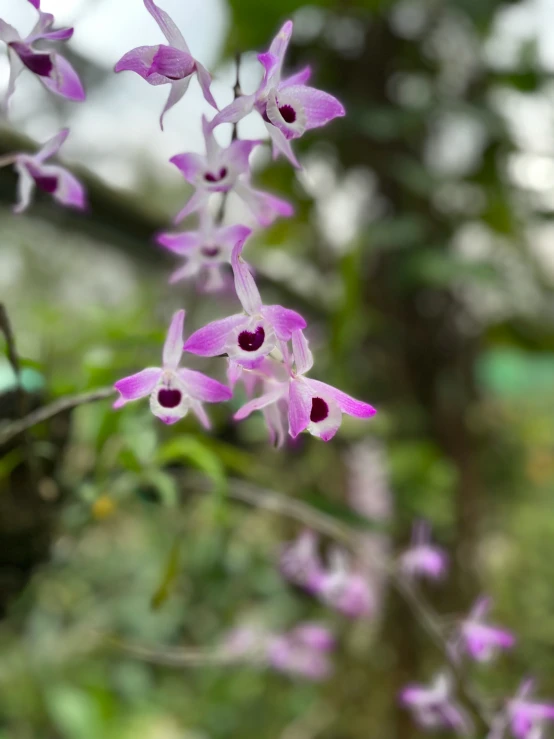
<point>250,341</point>
<point>38,62</point>
<point>48,183</point>
<point>288,113</point>
<point>169,398</point>
<point>320,410</point>
<point>221,175</point>
<point>210,251</point>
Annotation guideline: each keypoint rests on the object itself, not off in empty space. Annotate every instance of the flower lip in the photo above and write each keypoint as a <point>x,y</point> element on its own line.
<point>288,113</point>
<point>39,62</point>
<point>169,398</point>
<point>251,341</point>
<point>221,175</point>
<point>210,251</point>
<point>319,411</point>
<point>47,183</point>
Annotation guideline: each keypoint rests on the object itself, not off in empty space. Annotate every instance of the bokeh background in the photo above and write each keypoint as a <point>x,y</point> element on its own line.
<point>422,255</point>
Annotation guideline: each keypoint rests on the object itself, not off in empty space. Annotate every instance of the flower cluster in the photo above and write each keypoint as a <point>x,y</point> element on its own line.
<point>265,344</point>
<point>58,76</point>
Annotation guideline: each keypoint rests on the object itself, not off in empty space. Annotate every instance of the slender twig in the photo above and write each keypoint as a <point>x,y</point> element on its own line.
<point>10,430</point>
<point>171,656</point>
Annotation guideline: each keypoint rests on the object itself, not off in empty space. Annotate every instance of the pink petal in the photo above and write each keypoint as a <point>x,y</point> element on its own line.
<point>189,165</point>
<point>281,144</point>
<point>70,192</point>
<point>266,207</point>
<point>230,235</point>
<point>346,403</point>
<point>52,146</point>
<point>60,34</point>
<point>319,106</point>
<point>25,187</point>
<point>167,26</point>
<point>179,243</point>
<point>16,67</point>
<point>204,388</point>
<point>238,154</point>
<point>173,346</point>
<point>176,92</point>
<point>300,78</point>
<point>140,60</point>
<point>35,4</point>
<point>300,404</point>
<point>280,43</point>
<point>137,386</point>
<point>283,320</point>
<point>303,357</point>
<point>198,410</point>
<point>190,269</point>
<point>40,63</point>
<point>197,201</point>
<point>210,340</point>
<point>64,80</point>
<point>258,403</point>
<point>270,63</point>
<point>246,289</point>
<point>8,34</point>
<point>205,81</point>
<point>175,64</point>
<point>235,111</point>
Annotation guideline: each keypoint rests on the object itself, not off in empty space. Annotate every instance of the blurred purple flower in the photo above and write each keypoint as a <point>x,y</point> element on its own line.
<point>163,64</point>
<point>52,69</point>
<point>481,640</point>
<point>299,561</point>
<point>222,170</point>
<point>434,707</point>
<point>173,391</point>
<point>524,718</point>
<point>423,559</point>
<point>250,336</point>
<point>313,406</point>
<point>289,107</point>
<point>206,250</point>
<point>51,178</point>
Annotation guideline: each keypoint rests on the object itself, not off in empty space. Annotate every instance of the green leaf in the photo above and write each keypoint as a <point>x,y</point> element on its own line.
<point>169,575</point>
<point>190,449</point>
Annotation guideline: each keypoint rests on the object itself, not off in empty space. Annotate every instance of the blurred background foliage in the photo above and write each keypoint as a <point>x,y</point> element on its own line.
<point>421,254</point>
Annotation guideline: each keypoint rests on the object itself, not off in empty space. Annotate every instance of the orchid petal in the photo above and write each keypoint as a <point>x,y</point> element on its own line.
<point>197,201</point>
<point>235,111</point>
<point>303,357</point>
<point>346,403</point>
<point>189,165</point>
<point>52,146</point>
<point>262,402</point>
<point>40,63</point>
<point>300,404</point>
<point>265,207</point>
<point>319,107</point>
<point>279,45</point>
<point>140,60</point>
<point>300,78</point>
<point>25,188</point>
<point>16,67</point>
<point>60,34</point>
<point>198,410</point>
<point>245,286</point>
<point>173,346</point>
<point>281,144</point>
<point>178,89</point>
<point>230,235</point>
<point>174,64</point>
<point>239,152</point>
<point>8,34</point>
<point>167,26</point>
<point>189,269</point>
<point>64,80</point>
<point>35,4</point>
<point>283,320</point>
<point>270,63</point>
<point>210,340</point>
<point>205,81</point>
<point>204,388</point>
<point>179,243</point>
<point>137,386</point>
<point>69,192</point>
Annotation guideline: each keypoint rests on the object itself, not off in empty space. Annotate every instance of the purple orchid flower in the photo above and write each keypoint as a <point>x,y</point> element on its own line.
<point>206,250</point>
<point>222,170</point>
<point>289,107</point>
<point>162,64</point>
<point>313,406</point>
<point>481,640</point>
<point>246,337</point>
<point>52,69</point>
<point>434,707</point>
<point>423,559</point>
<point>299,561</point>
<point>173,390</point>
<point>527,718</point>
<point>51,178</point>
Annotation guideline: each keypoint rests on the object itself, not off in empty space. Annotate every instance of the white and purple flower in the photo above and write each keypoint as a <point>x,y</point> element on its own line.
<point>173,390</point>
<point>167,64</point>
<point>206,251</point>
<point>527,718</point>
<point>34,172</point>
<point>481,640</point>
<point>250,336</point>
<point>221,170</point>
<point>51,68</point>
<point>434,707</point>
<point>288,107</point>
<point>422,558</point>
<point>312,405</point>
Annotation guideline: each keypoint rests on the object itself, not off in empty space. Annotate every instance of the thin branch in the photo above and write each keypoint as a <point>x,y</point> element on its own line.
<point>12,429</point>
<point>6,328</point>
<point>171,656</point>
